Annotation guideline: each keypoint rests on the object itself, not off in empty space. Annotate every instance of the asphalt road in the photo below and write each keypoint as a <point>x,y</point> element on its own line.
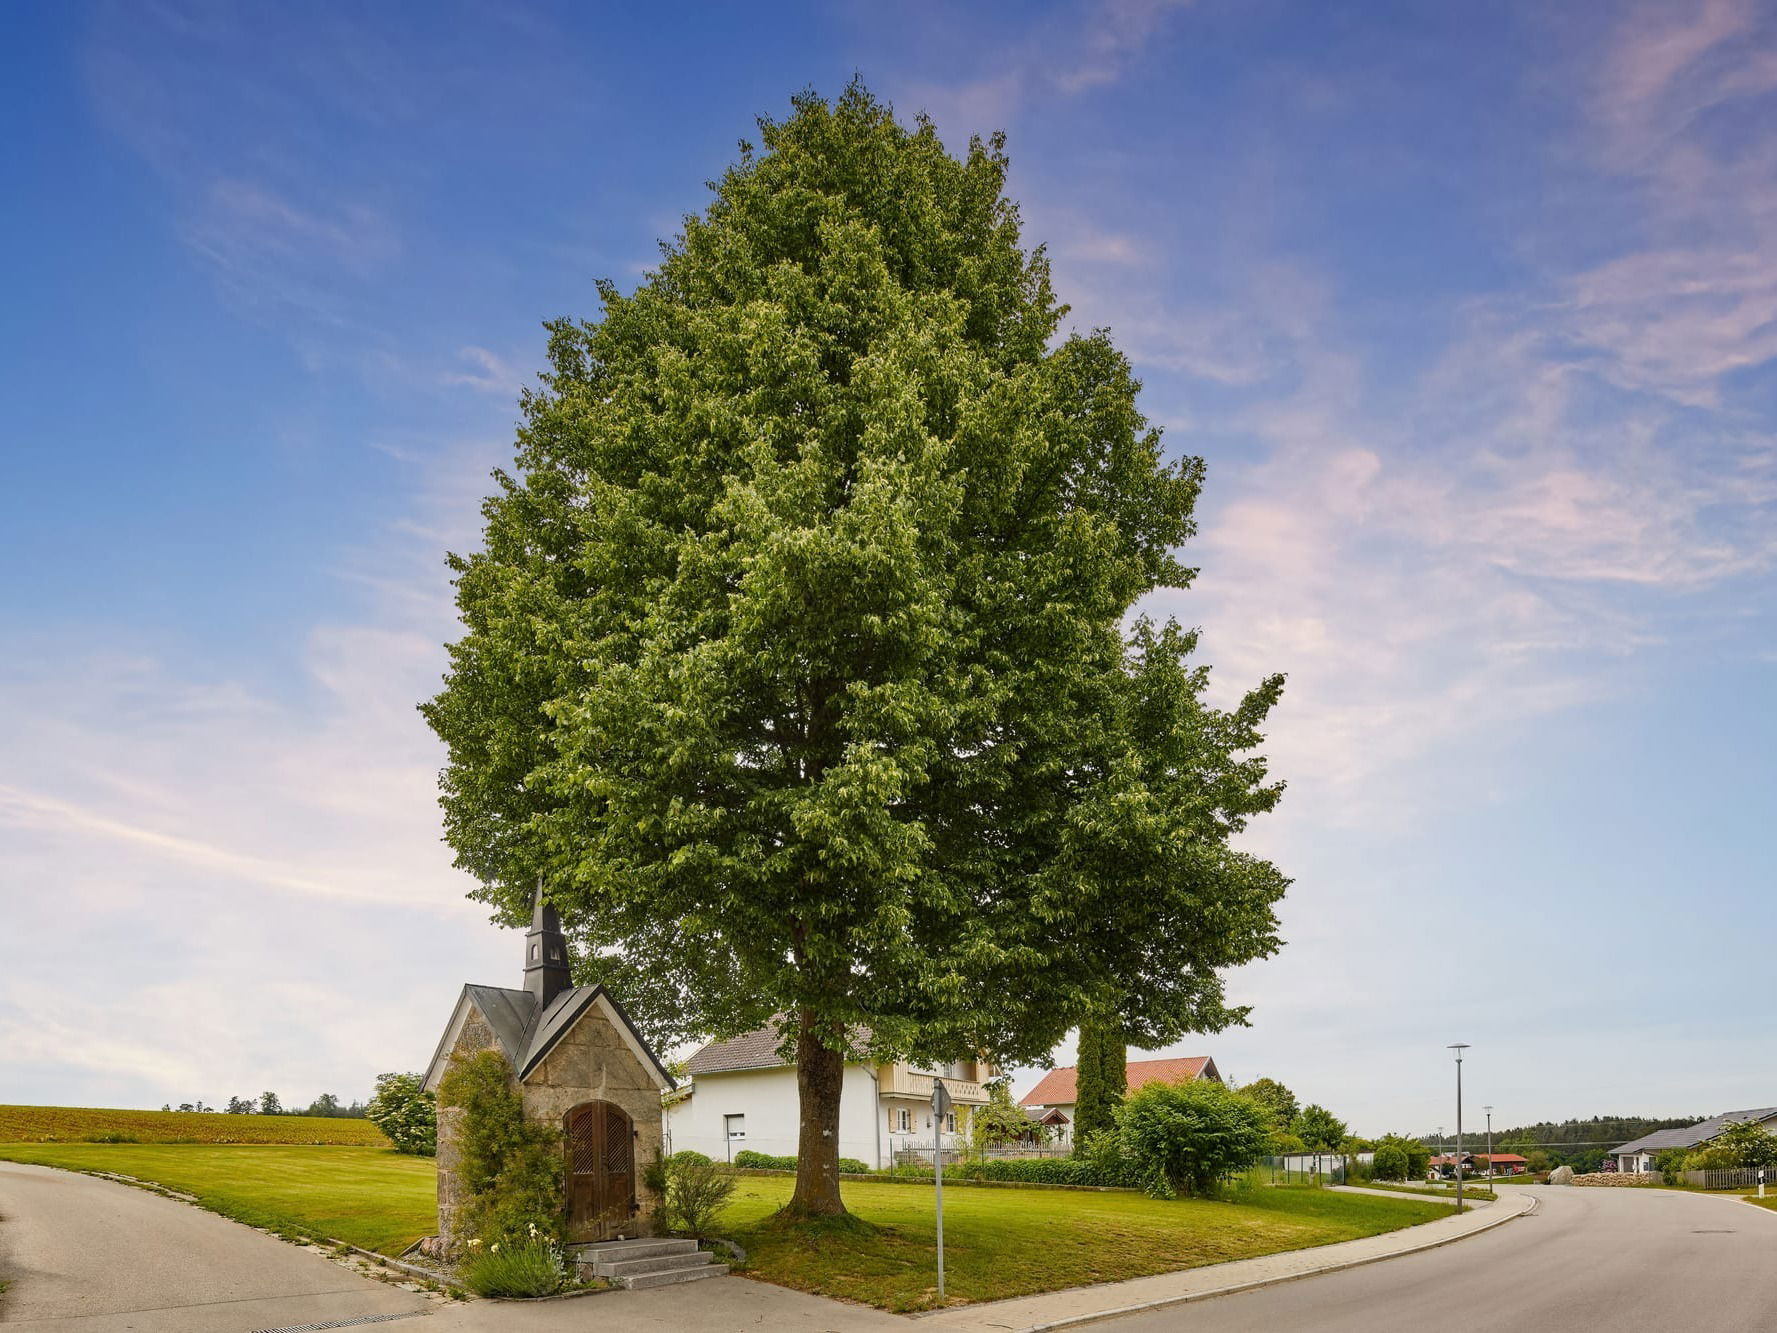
<point>1624,1260</point>
<point>85,1255</point>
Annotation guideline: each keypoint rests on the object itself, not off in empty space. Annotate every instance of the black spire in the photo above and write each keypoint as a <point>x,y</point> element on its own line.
<point>545,954</point>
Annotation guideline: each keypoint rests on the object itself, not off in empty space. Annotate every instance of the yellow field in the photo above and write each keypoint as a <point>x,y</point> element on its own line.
<point>87,1124</point>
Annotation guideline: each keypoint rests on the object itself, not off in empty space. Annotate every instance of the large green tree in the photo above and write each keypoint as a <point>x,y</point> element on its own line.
<point>1279,1102</point>
<point>795,661</point>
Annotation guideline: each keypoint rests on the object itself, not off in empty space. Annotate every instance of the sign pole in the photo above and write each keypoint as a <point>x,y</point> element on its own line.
<point>940,1107</point>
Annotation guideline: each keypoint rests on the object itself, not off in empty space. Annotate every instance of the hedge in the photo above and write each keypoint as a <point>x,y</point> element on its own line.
<point>747,1159</point>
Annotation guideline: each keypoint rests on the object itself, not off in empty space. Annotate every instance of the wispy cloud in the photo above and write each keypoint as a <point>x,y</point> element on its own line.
<point>490,373</point>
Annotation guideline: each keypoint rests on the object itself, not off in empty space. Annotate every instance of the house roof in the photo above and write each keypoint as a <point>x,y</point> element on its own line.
<point>1502,1157</point>
<point>752,1050</point>
<point>526,1035</point>
<point>1060,1087</point>
<point>1690,1136</point>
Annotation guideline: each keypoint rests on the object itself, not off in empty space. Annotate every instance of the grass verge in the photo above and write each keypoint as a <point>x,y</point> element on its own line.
<point>1434,1191</point>
<point>1003,1243</point>
<point>373,1197</point>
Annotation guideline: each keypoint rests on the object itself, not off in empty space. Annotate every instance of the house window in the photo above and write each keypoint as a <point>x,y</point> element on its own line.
<point>904,1120</point>
<point>736,1127</point>
<point>950,1123</point>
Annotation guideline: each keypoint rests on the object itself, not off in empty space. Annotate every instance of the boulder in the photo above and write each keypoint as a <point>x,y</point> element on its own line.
<point>1561,1175</point>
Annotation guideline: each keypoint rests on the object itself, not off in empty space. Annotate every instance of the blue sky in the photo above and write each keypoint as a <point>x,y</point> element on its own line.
<point>1471,309</point>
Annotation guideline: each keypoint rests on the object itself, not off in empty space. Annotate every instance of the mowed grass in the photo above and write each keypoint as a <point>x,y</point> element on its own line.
<point>373,1197</point>
<point>997,1242</point>
<point>1010,1242</point>
<point>77,1124</point>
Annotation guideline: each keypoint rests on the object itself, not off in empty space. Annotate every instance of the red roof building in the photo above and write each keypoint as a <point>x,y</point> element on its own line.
<point>1060,1087</point>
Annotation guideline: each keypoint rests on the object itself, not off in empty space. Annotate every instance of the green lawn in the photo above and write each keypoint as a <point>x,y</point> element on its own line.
<point>1010,1242</point>
<point>374,1197</point>
<point>997,1242</point>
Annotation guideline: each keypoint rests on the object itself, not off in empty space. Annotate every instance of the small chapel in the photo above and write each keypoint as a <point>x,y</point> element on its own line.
<point>581,1065</point>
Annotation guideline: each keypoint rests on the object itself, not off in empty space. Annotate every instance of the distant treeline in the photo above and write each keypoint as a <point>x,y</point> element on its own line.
<point>268,1103</point>
<point>1581,1144</point>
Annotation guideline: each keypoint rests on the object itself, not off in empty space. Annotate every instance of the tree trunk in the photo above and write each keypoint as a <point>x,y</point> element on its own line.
<point>820,1073</point>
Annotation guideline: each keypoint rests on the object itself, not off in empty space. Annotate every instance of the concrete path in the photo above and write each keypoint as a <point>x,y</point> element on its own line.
<point>85,1255</point>
<point>1079,1305</point>
<point>1616,1260</point>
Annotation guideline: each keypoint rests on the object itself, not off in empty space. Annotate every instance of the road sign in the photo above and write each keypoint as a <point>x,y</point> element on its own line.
<point>940,1098</point>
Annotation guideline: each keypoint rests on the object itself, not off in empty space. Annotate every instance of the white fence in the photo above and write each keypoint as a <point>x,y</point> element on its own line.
<point>1738,1178</point>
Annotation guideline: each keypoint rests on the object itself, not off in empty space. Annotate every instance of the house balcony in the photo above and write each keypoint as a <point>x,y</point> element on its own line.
<point>900,1081</point>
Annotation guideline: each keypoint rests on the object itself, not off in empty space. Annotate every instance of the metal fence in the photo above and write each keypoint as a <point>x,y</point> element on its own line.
<point>1737,1178</point>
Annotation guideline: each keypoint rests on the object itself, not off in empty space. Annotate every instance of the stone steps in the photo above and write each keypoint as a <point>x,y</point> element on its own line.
<point>639,1264</point>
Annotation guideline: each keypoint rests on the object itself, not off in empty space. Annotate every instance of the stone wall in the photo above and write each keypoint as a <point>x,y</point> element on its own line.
<point>1619,1178</point>
<point>593,1062</point>
<point>475,1036</point>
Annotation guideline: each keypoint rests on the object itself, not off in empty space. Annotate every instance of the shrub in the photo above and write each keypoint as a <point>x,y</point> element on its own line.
<point>529,1267</point>
<point>1390,1162</point>
<point>696,1193</point>
<point>758,1161</point>
<point>852,1166</point>
<point>511,1167</point>
<point>1669,1163</point>
<point>688,1155</point>
<point>405,1113</point>
<point>1183,1136</point>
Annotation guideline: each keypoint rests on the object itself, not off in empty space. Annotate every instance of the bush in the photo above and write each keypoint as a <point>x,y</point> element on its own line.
<point>529,1267</point>
<point>511,1167</point>
<point>696,1193</point>
<point>1669,1163</point>
<point>688,1155</point>
<point>1183,1136</point>
<point>1390,1162</point>
<point>852,1166</point>
<point>405,1113</point>
<point>758,1161</point>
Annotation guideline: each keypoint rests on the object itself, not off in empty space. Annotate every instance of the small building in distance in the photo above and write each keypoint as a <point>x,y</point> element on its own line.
<point>1058,1090</point>
<point>579,1064</point>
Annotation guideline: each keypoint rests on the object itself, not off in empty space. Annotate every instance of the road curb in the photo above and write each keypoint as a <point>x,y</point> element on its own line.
<point>1073,1321</point>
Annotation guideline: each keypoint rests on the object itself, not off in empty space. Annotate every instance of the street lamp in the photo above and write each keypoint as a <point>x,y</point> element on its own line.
<point>1489,1111</point>
<point>1459,1047</point>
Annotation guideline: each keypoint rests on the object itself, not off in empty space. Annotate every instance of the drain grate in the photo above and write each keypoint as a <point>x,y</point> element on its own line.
<point>342,1323</point>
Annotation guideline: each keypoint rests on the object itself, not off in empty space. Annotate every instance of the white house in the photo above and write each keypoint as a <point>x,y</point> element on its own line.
<point>1639,1155</point>
<point>1055,1097</point>
<point>742,1096</point>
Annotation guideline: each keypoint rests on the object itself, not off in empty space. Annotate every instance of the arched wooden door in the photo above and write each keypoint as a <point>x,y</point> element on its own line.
<point>601,1153</point>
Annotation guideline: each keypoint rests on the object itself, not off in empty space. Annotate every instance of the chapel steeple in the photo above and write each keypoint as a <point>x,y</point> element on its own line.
<point>546,972</point>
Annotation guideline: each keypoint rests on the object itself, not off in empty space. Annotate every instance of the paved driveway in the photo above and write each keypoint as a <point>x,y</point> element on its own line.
<point>1624,1260</point>
<point>86,1255</point>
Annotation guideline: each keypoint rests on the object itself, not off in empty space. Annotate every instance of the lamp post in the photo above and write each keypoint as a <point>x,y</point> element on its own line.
<point>1489,1111</point>
<point>1459,1047</point>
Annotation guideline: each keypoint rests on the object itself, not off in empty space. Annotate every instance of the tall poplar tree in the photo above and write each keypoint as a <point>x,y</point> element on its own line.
<point>1101,1077</point>
<point>795,665</point>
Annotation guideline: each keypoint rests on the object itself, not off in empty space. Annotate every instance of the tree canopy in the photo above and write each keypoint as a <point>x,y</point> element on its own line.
<point>795,661</point>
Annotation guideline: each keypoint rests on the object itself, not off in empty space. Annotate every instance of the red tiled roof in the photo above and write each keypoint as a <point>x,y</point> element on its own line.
<point>1060,1087</point>
<point>1503,1157</point>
